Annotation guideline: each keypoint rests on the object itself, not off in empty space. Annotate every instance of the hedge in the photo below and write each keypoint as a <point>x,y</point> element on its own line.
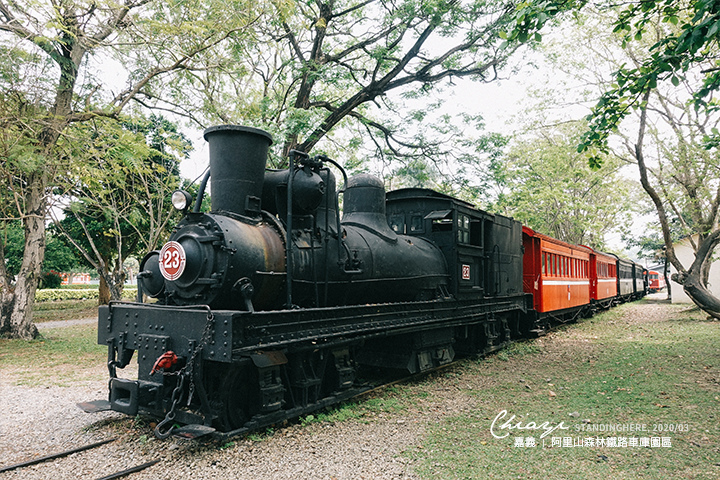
<point>50,294</point>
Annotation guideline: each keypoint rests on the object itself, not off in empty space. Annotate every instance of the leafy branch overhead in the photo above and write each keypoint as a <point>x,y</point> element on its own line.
<point>691,32</point>
<point>323,65</point>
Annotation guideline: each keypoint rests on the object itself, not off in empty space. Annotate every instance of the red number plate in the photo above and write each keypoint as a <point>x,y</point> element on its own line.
<point>172,260</point>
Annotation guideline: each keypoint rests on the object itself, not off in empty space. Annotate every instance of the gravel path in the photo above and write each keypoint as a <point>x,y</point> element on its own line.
<point>37,421</point>
<point>65,323</point>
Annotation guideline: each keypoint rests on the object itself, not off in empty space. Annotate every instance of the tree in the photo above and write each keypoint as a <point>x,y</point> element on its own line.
<point>123,177</point>
<point>681,46</point>
<point>684,183</point>
<point>48,82</point>
<point>551,188</point>
<point>341,71</point>
<point>679,67</point>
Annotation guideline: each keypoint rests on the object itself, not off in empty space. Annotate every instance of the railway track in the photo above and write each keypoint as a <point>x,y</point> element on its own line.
<point>83,448</point>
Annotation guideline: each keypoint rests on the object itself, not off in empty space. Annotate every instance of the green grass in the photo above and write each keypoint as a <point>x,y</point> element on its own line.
<point>64,310</point>
<point>393,400</point>
<point>58,357</point>
<point>608,371</point>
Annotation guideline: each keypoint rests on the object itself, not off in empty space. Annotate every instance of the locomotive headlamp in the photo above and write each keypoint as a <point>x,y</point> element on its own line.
<point>181,200</point>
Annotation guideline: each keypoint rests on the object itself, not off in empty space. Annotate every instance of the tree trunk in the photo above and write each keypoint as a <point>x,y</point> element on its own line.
<point>700,295</point>
<point>7,300</point>
<point>7,296</point>
<point>103,291</point>
<point>21,318</point>
<point>111,286</point>
<point>667,279</point>
<point>695,281</point>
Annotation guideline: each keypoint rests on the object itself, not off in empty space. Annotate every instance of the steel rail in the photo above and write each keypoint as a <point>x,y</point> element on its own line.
<point>129,470</point>
<point>55,455</point>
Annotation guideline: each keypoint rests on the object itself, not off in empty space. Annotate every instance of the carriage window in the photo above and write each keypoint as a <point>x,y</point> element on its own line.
<point>542,266</point>
<point>463,223</point>
<point>442,220</point>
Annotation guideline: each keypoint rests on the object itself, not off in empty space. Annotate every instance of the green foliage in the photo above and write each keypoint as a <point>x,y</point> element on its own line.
<point>51,279</point>
<point>688,43</point>
<point>122,186</point>
<point>62,294</point>
<point>58,256</point>
<point>530,17</point>
<point>549,187</point>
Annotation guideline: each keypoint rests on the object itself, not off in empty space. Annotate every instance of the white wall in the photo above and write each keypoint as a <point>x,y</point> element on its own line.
<point>684,252</point>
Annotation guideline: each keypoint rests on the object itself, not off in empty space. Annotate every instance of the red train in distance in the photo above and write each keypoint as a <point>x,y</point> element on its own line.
<point>656,281</point>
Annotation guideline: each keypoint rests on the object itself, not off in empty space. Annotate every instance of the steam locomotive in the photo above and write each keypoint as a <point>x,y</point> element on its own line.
<point>267,308</point>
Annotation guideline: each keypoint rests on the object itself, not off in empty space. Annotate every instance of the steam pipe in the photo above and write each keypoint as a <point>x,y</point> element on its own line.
<point>288,226</point>
<point>201,192</point>
<point>337,210</point>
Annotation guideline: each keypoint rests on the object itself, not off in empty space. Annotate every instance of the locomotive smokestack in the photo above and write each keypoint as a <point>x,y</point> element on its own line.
<point>237,167</point>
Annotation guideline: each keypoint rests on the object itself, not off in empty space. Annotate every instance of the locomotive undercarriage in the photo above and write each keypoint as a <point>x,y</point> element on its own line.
<point>240,371</point>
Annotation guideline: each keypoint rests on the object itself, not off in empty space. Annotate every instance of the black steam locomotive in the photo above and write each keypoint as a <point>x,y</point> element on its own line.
<point>266,308</point>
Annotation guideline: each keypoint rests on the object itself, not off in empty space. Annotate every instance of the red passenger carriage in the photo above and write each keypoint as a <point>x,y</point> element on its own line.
<point>603,279</point>
<point>557,274</point>
<point>656,281</point>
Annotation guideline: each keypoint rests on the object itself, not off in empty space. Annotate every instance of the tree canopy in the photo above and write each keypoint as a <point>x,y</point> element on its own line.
<point>50,79</point>
<point>329,73</point>
<point>551,188</point>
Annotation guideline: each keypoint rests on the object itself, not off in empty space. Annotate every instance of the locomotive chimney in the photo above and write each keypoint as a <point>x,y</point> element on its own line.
<point>237,167</point>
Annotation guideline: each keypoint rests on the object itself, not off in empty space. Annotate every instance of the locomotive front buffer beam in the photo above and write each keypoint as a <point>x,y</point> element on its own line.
<point>172,347</point>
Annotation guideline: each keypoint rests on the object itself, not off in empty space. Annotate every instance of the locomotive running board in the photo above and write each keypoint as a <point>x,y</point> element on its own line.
<point>95,406</point>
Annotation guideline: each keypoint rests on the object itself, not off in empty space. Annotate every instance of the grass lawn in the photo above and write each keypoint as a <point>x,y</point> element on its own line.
<point>65,310</point>
<point>650,371</point>
<point>60,356</point>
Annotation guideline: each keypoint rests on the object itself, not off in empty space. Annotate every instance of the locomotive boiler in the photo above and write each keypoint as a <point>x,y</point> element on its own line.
<point>240,256</point>
<point>269,306</point>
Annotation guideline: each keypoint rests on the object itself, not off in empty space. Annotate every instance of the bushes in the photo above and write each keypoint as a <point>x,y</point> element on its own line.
<point>51,279</point>
<point>51,294</point>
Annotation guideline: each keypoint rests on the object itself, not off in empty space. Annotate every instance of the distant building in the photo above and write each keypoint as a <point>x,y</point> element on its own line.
<point>686,255</point>
<point>75,278</point>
